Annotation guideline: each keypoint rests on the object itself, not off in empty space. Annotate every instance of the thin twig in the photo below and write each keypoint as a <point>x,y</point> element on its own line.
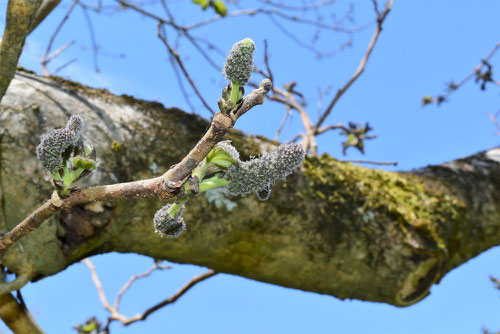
<point>115,315</point>
<point>134,278</point>
<point>98,285</point>
<point>183,69</point>
<point>172,299</point>
<point>382,163</point>
<point>361,67</point>
<point>95,47</point>
<point>63,66</point>
<point>453,87</point>
<point>283,121</point>
<point>45,57</point>
<point>270,12</point>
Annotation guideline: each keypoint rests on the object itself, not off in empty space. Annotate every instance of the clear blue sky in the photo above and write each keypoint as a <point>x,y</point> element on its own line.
<point>424,45</point>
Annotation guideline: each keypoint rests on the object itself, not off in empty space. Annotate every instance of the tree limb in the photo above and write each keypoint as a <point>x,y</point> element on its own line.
<point>16,316</point>
<point>115,315</point>
<point>45,9</point>
<point>361,67</point>
<point>333,228</point>
<point>20,15</point>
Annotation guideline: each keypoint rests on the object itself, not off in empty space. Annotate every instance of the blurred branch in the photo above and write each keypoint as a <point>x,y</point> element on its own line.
<point>481,73</point>
<point>45,9</point>
<point>495,118</point>
<point>93,42</point>
<point>14,312</point>
<point>115,315</point>
<point>369,162</point>
<point>45,57</point>
<point>274,12</point>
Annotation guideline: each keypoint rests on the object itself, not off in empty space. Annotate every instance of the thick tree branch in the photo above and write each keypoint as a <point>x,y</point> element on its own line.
<point>45,9</point>
<point>16,316</point>
<point>333,228</point>
<point>19,19</point>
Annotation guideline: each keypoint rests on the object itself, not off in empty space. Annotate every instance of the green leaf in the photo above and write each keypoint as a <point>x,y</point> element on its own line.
<point>203,3</point>
<point>81,162</point>
<point>221,158</point>
<point>220,7</point>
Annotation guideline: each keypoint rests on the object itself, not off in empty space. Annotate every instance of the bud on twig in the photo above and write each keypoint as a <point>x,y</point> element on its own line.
<point>239,63</point>
<point>168,225</point>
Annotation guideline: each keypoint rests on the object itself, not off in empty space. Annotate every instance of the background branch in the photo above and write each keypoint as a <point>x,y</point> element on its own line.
<point>115,315</point>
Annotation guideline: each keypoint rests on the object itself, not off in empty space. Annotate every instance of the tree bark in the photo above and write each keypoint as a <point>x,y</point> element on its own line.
<point>332,228</point>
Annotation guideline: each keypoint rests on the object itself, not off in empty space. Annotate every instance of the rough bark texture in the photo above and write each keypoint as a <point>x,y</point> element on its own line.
<point>333,228</point>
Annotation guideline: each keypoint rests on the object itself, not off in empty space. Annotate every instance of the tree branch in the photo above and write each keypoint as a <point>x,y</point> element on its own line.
<point>115,315</point>
<point>333,228</point>
<point>16,316</point>
<point>163,187</point>
<point>361,67</point>
<point>45,9</point>
<point>20,15</point>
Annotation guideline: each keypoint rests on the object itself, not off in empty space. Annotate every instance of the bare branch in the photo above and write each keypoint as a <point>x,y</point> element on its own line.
<point>287,97</point>
<point>16,316</point>
<point>98,285</point>
<point>495,118</point>
<point>93,42</point>
<point>45,57</point>
<point>132,279</point>
<point>271,12</point>
<point>361,67</point>
<point>16,284</point>
<point>63,66</point>
<point>172,299</point>
<point>476,73</point>
<point>115,315</point>
<point>283,121</point>
<point>369,162</point>
<point>183,69</point>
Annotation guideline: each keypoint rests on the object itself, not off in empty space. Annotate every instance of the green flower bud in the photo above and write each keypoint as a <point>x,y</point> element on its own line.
<point>57,144</point>
<point>81,162</point>
<point>166,225</point>
<point>239,63</point>
<point>52,147</point>
<point>259,174</point>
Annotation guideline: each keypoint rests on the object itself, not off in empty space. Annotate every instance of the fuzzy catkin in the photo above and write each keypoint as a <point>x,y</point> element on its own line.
<point>260,174</point>
<point>52,146</point>
<point>56,142</point>
<point>166,225</point>
<point>239,63</point>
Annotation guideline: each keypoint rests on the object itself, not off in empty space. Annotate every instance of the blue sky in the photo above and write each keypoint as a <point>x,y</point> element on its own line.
<point>424,45</point>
